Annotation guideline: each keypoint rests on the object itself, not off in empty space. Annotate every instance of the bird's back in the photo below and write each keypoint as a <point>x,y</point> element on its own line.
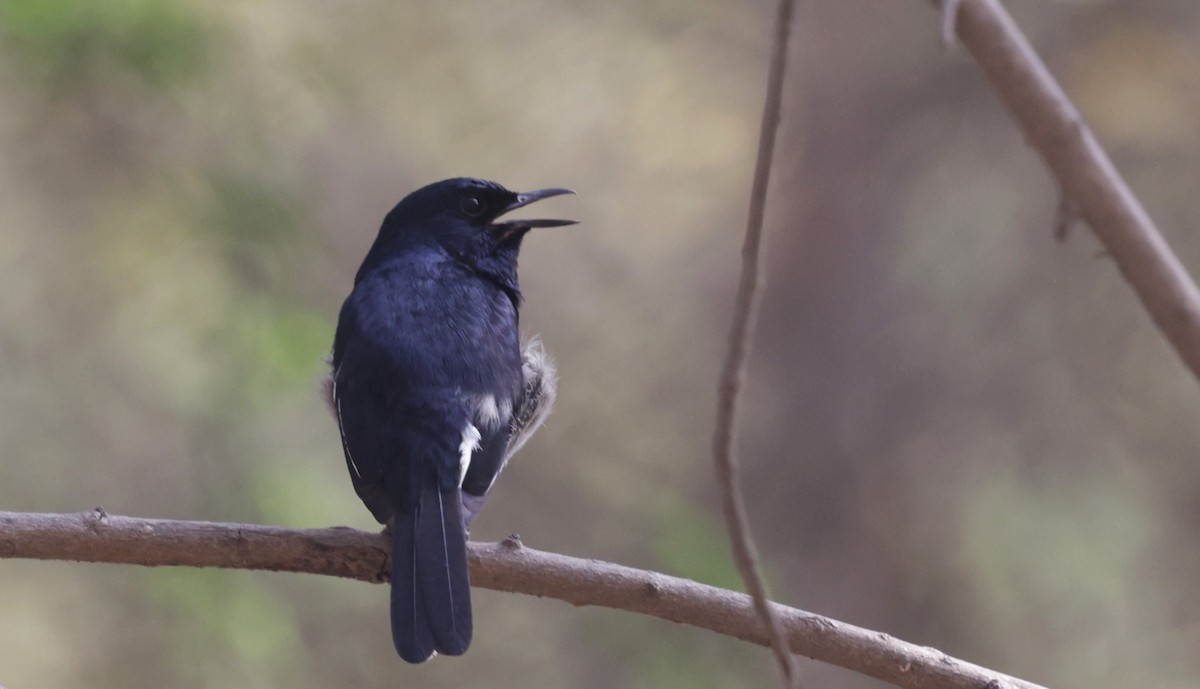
<point>420,339</point>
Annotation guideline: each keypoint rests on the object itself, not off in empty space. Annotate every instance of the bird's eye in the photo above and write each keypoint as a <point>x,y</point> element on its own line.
<point>472,206</point>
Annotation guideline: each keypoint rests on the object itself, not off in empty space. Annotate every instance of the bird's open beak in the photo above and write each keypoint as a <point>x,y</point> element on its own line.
<point>524,199</point>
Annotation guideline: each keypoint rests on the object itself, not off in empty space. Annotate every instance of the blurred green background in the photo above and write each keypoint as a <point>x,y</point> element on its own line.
<point>956,430</point>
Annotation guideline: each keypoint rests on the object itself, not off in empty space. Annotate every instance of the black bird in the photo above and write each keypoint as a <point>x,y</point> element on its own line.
<point>433,391</point>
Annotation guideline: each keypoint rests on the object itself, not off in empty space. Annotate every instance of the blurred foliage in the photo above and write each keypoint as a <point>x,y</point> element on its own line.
<point>160,41</point>
<point>695,542</point>
<point>956,430</point>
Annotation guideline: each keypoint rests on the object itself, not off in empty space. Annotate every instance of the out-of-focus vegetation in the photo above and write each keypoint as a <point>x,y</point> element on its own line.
<point>956,430</point>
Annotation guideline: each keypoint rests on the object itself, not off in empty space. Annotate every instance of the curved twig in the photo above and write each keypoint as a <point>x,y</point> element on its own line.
<point>745,313</point>
<point>1084,172</point>
<point>506,566</point>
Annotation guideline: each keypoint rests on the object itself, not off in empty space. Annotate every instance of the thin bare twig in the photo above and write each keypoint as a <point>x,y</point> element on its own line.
<point>1084,172</point>
<point>1064,216</point>
<point>95,536</point>
<point>745,312</point>
<point>949,19</point>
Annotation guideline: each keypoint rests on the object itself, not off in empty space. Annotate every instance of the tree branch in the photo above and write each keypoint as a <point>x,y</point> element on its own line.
<point>506,566</point>
<point>1084,172</point>
<point>745,313</point>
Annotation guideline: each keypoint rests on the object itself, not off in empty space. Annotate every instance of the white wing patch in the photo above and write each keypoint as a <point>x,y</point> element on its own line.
<point>489,413</point>
<point>486,410</point>
<point>470,443</point>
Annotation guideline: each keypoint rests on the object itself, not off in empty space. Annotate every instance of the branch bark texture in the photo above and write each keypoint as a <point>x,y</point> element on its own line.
<point>506,566</point>
<point>745,313</point>
<point>1084,172</point>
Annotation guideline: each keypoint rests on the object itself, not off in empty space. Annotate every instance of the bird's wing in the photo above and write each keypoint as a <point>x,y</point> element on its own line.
<point>356,405</point>
<point>487,461</point>
<point>367,437</point>
<point>532,406</point>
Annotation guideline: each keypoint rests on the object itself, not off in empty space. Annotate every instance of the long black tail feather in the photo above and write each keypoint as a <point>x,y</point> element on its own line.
<point>431,588</point>
<point>410,626</point>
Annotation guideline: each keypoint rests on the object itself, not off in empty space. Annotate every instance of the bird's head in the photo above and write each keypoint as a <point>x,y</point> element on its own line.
<point>463,215</point>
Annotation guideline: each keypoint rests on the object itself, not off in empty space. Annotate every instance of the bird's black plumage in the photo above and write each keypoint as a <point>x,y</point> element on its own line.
<point>432,391</point>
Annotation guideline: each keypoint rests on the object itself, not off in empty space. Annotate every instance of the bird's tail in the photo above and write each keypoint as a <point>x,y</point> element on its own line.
<point>431,587</point>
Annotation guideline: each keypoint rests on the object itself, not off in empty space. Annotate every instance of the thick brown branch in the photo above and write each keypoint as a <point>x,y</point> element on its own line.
<point>745,312</point>
<point>506,566</point>
<point>1085,174</point>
